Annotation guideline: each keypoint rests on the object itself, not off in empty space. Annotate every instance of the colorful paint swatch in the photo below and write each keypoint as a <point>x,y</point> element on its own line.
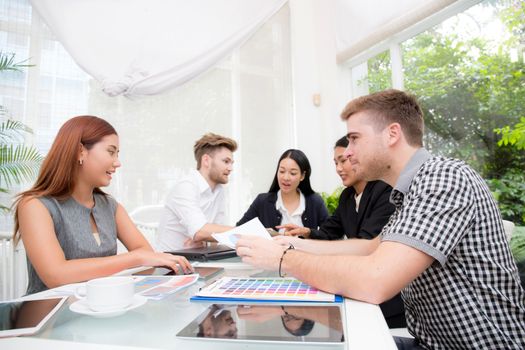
<point>264,289</point>
<point>158,287</point>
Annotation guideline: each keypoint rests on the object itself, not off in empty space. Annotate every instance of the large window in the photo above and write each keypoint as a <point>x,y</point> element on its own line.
<point>247,97</point>
<point>381,79</point>
<point>469,75</point>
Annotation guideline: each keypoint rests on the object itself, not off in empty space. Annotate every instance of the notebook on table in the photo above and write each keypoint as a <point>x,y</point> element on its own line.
<point>214,252</point>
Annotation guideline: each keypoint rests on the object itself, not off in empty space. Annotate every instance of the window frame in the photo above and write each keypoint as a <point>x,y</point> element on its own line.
<point>393,44</point>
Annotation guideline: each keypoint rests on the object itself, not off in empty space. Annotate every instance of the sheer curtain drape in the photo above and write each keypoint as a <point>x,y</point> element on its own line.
<point>138,47</point>
<point>247,96</point>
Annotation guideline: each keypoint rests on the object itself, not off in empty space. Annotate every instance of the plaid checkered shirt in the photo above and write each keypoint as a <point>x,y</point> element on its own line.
<point>470,297</point>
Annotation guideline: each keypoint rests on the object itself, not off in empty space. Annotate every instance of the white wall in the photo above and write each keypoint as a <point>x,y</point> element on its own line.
<point>314,71</point>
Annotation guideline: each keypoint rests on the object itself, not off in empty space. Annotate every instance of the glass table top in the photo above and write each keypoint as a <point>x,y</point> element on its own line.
<point>156,324</point>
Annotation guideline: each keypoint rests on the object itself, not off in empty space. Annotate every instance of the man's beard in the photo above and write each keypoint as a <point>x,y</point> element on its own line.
<point>217,177</point>
<point>377,168</point>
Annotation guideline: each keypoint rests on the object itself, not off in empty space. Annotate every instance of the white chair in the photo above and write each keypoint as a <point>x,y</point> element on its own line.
<point>146,218</point>
<point>13,268</point>
<point>509,228</point>
<point>400,332</point>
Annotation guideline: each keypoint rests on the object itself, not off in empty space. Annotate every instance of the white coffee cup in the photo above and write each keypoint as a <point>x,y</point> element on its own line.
<point>107,293</point>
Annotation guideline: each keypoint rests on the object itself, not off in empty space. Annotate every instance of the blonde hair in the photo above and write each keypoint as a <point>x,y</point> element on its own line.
<point>209,143</point>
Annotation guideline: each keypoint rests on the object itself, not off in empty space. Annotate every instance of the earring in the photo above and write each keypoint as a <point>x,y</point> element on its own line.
<point>80,162</point>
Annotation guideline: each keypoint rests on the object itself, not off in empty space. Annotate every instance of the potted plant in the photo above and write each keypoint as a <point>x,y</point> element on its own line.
<point>19,162</point>
<point>332,200</point>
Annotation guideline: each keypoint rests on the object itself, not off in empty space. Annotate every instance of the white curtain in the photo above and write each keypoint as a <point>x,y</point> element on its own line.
<point>145,47</point>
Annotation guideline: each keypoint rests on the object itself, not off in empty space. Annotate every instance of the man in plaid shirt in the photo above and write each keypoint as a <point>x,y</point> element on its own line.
<point>444,248</point>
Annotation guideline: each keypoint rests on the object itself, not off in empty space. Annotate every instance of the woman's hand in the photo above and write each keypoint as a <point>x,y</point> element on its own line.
<point>294,230</point>
<point>150,258</point>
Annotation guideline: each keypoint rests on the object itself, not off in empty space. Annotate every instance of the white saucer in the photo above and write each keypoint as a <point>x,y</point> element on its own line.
<point>81,307</point>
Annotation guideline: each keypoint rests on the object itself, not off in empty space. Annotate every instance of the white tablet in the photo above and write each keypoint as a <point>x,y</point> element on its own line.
<point>26,317</point>
<point>268,322</point>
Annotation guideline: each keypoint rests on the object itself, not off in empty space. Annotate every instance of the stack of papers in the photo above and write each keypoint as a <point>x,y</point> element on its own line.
<point>151,287</point>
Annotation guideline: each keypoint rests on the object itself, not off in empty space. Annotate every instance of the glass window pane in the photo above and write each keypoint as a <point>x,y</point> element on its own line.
<point>157,133</point>
<point>468,75</point>
<point>379,72</point>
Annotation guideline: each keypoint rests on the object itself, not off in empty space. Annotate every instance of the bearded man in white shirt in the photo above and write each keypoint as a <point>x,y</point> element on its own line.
<point>195,208</point>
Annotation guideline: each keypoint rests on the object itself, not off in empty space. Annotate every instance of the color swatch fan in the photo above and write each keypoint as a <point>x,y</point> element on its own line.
<point>263,289</point>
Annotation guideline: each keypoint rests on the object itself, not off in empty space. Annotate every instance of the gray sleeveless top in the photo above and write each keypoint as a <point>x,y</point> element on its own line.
<point>75,234</point>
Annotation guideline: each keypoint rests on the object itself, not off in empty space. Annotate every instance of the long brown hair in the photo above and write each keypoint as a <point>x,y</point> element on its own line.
<point>58,174</point>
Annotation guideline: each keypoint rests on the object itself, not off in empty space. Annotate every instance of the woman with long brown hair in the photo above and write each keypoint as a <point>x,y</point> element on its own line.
<point>69,226</point>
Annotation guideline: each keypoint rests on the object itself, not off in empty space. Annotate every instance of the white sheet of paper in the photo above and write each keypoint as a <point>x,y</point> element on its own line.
<point>251,228</point>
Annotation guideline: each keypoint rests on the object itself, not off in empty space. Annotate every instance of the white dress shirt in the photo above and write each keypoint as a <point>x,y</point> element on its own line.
<point>293,218</point>
<point>190,205</point>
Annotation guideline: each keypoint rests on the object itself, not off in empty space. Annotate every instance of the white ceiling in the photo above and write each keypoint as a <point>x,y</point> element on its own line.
<point>362,24</point>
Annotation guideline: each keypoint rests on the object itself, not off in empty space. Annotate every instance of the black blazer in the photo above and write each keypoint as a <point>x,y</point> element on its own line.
<point>263,207</point>
<point>374,211</point>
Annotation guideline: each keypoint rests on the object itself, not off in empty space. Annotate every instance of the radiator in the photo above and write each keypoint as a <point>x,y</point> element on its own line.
<point>13,270</point>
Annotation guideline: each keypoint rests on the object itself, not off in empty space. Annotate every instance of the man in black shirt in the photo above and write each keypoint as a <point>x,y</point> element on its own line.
<point>364,207</point>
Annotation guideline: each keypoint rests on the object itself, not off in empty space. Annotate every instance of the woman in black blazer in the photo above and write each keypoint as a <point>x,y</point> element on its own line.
<point>289,193</point>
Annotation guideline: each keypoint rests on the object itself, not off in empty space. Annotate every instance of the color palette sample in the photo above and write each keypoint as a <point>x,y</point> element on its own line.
<point>264,289</point>
<point>158,287</point>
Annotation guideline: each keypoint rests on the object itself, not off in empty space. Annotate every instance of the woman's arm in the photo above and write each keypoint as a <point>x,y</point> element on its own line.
<point>48,258</point>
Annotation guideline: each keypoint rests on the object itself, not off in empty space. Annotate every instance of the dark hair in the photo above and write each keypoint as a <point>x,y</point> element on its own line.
<point>304,165</point>
<point>200,333</point>
<point>342,142</point>
<point>305,329</point>
<point>391,106</point>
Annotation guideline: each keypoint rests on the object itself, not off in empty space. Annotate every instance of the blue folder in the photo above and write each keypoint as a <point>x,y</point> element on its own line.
<point>338,299</point>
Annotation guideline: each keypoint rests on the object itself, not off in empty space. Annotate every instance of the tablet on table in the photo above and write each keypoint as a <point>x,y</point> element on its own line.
<point>27,317</point>
<point>268,322</point>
